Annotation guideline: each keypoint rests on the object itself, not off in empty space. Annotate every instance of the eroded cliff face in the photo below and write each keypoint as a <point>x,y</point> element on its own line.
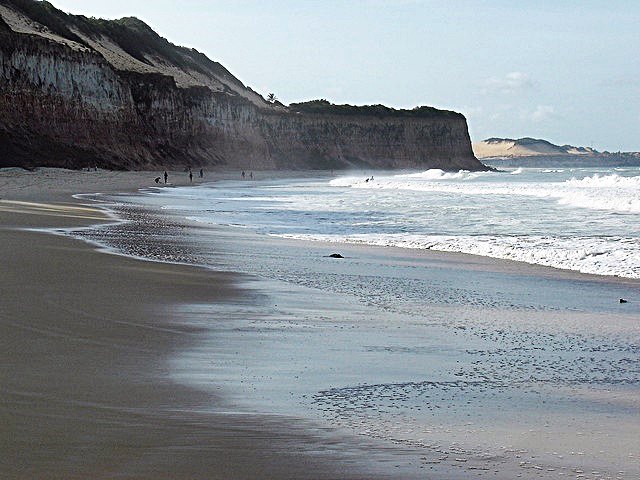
<point>66,102</point>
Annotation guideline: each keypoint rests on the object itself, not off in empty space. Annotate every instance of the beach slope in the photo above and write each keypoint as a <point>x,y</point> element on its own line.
<point>84,342</point>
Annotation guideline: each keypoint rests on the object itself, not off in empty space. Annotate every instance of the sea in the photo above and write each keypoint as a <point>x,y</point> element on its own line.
<point>582,219</point>
<point>450,363</point>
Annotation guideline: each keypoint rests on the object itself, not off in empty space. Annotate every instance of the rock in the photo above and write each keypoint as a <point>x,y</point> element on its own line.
<point>335,255</point>
<point>80,94</point>
<point>622,300</point>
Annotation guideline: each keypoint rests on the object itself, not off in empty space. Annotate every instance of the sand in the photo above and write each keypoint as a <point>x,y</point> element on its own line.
<point>116,367</point>
<point>84,341</point>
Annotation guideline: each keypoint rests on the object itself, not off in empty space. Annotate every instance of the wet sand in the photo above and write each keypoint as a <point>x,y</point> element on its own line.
<point>84,343</point>
<point>473,367</point>
<point>119,367</point>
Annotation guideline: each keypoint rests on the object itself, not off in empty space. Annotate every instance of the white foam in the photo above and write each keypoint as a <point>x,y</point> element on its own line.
<point>610,192</point>
<point>593,255</point>
<point>437,174</point>
<point>405,180</point>
<point>609,181</point>
<point>607,192</point>
<point>586,223</point>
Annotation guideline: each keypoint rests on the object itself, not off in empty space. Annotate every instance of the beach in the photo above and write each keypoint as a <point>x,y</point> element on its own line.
<point>279,362</point>
<point>85,337</point>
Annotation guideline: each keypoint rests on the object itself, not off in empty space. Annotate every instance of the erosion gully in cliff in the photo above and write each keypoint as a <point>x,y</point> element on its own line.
<point>77,91</point>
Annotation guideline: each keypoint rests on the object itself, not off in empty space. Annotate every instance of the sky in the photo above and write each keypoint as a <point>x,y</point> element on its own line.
<point>567,71</point>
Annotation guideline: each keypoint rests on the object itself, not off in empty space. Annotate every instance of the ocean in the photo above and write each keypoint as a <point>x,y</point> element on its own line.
<point>448,362</point>
<point>586,220</point>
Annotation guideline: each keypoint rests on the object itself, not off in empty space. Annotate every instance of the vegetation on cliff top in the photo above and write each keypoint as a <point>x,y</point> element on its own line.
<point>48,15</point>
<point>324,107</point>
<point>141,132</point>
<point>140,41</point>
<point>132,35</point>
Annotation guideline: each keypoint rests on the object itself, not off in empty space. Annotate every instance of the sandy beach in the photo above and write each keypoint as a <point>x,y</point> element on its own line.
<point>85,337</point>
<point>119,367</point>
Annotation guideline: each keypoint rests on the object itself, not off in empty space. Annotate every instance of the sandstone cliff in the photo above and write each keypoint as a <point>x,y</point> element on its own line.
<point>76,91</point>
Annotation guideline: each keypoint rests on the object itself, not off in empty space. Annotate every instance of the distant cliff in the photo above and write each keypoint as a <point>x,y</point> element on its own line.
<point>76,91</point>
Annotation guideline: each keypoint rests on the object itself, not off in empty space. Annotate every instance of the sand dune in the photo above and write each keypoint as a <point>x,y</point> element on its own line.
<point>525,147</point>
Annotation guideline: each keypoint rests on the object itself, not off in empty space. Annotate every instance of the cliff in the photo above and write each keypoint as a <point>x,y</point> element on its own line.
<point>76,91</point>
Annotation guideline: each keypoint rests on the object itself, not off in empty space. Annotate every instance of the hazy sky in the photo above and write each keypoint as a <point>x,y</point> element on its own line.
<point>567,71</point>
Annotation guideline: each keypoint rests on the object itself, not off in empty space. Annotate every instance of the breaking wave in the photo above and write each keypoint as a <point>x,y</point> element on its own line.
<point>594,255</point>
<point>598,192</point>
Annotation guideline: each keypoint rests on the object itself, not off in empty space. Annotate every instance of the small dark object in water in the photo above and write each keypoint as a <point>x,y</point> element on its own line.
<point>336,255</point>
<point>622,300</point>
<point>157,180</point>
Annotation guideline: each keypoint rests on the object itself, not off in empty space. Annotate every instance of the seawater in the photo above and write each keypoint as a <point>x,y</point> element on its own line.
<point>490,373</point>
<point>582,219</point>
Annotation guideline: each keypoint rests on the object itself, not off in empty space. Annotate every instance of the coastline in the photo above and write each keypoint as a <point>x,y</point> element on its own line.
<point>279,443</point>
<point>85,341</point>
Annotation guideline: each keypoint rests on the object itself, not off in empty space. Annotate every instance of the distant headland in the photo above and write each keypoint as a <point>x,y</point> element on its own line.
<point>537,152</point>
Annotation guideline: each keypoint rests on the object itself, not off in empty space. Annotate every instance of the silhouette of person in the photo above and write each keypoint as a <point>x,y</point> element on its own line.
<point>251,175</point>
<point>243,174</point>
<point>190,176</point>
<point>201,173</point>
<point>166,176</point>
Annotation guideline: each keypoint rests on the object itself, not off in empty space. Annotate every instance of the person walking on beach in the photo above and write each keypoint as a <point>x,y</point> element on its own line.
<point>166,176</point>
<point>251,175</point>
<point>242,174</point>
<point>190,176</point>
<point>201,173</point>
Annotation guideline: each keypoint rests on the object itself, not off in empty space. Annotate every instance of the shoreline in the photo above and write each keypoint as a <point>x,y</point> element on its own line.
<point>587,290</point>
<point>85,343</point>
<point>130,182</point>
<point>341,457</point>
